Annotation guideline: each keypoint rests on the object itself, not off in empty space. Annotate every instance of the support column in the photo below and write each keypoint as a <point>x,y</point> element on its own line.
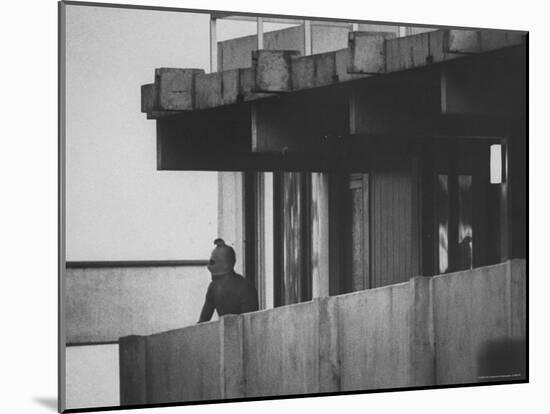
<point>319,236</point>
<point>213,46</point>
<point>307,38</point>
<point>230,213</point>
<point>260,33</point>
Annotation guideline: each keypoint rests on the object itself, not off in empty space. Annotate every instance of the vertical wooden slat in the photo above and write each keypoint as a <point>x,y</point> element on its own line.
<point>392,225</point>
<point>366,232</point>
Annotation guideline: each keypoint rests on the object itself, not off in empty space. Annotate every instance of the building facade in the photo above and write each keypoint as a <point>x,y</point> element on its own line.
<point>372,180</point>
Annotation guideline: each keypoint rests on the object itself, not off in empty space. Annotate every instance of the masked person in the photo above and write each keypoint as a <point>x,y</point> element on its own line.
<point>229,292</point>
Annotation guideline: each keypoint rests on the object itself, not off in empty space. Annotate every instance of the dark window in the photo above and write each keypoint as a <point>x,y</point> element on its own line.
<point>292,237</point>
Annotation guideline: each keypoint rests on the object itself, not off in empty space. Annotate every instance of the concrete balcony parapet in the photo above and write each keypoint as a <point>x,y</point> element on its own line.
<point>464,327</point>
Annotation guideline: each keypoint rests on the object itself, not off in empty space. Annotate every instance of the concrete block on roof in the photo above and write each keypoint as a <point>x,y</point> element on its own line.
<point>273,70</point>
<point>230,86</point>
<point>342,59</point>
<point>208,90</point>
<point>408,52</point>
<point>175,88</point>
<point>314,71</point>
<point>477,41</point>
<point>325,69</point>
<point>496,39</point>
<point>463,41</point>
<point>149,97</point>
<point>303,72</point>
<point>247,85</point>
<point>367,52</point>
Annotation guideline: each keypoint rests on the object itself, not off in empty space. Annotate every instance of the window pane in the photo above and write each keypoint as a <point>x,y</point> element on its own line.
<point>292,236</point>
<point>465,232</point>
<point>358,193</point>
<point>442,209</point>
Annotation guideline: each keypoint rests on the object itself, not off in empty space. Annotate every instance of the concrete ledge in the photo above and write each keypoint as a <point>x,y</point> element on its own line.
<point>497,39</point>
<point>477,41</point>
<point>278,71</point>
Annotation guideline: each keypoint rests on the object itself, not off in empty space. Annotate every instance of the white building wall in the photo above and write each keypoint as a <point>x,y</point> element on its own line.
<point>92,376</point>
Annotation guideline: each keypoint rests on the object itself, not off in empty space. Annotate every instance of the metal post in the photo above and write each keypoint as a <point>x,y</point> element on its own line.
<point>260,30</point>
<point>307,38</point>
<point>213,46</point>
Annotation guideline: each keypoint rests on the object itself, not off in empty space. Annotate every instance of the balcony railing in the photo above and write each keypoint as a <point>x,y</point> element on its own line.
<point>464,327</point>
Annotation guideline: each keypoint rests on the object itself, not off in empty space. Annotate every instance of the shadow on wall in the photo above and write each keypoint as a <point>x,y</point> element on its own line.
<point>502,359</point>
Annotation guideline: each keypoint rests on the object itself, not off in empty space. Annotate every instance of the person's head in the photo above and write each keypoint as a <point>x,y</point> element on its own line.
<point>222,260</point>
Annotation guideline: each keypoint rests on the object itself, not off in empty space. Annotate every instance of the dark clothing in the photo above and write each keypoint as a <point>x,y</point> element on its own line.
<point>229,294</point>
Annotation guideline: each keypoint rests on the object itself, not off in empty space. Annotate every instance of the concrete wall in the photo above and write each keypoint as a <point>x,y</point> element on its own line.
<point>375,324</point>
<point>479,316</point>
<point>461,327</point>
<point>103,304</point>
<point>183,365</point>
<point>284,360</point>
<point>92,376</point>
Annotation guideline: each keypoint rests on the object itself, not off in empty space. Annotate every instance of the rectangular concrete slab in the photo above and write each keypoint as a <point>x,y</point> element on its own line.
<point>281,348</point>
<point>208,90</point>
<point>342,63</point>
<point>176,88</point>
<point>422,333</point>
<point>273,70</point>
<point>464,41</point>
<point>303,72</point>
<point>184,364</point>
<point>133,370</point>
<point>329,357</point>
<point>149,98</point>
<point>231,360</point>
<point>470,311</point>
<point>375,339</point>
<point>231,91</point>
<point>325,69</point>
<point>367,52</point>
<point>496,39</point>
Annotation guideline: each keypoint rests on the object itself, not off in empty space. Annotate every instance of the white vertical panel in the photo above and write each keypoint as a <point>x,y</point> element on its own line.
<point>260,33</point>
<point>496,164</point>
<point>268,239</point>
<point>320,236</point>
<point>230,213</point>
<point>307,37</point>
<point>213,46</point>
<point>92,376</point>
